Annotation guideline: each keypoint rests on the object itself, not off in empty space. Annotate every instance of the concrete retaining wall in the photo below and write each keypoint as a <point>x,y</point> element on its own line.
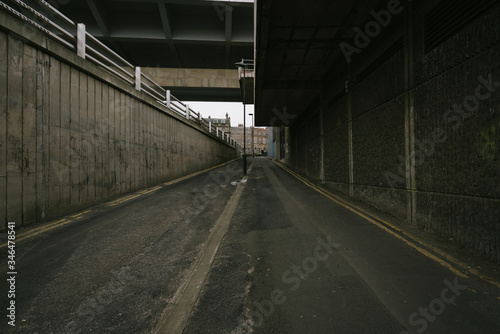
<point>72,135</point>
<point>403,145</point>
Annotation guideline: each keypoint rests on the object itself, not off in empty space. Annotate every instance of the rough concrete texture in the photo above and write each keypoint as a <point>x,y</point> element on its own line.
<point>199,77</point>
<point>415,154</point>
<point>70,139</point>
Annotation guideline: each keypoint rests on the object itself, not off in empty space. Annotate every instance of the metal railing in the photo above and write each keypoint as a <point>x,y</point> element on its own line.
<point>42,16</point>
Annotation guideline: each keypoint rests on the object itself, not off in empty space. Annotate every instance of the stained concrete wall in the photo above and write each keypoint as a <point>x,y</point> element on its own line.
<point>72,135</point>
<point>417,136</point>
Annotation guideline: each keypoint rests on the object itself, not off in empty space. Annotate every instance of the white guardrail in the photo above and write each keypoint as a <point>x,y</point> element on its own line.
<point>51,22</point>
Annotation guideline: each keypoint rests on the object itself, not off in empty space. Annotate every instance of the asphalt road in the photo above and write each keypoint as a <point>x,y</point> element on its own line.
<point>286,259</point>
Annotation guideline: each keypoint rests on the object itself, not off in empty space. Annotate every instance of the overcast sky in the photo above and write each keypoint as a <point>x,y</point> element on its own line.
<point>219,110</point>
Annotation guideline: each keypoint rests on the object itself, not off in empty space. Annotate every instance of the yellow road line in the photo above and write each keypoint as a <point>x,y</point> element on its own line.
<point>127,199</point>
<point>62,222</point>
<point>364,214</point>
<point>120,199</point>
<point>148,191</point>
<point>29,235</point>
<point>39,230</point>
<point>117,201</point>
<point>47,227</point>
<point>197,173</point>
<point>123,199</point>
<point>79,215</point>
<point>438,251</point>
<point>423,243</point>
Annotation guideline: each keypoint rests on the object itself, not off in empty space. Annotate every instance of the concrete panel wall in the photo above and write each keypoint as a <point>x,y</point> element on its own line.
<point>419,137</point>
<point>457,168</point>
<point>72,136</point>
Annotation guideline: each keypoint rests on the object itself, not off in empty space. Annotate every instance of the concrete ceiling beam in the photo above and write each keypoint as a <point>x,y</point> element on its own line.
<point>101,16</point>
<point>229,33</point>
<point>166,23</point>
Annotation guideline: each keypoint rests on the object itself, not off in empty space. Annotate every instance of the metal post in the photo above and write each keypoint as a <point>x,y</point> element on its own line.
<point>209,127</point>
<point>253,143</point>
<point>138,78</point>
<point>244,65</point>
<point>80,40</point>
<point>168,98</point>
<point>244,126</point>
<point>187,111</point>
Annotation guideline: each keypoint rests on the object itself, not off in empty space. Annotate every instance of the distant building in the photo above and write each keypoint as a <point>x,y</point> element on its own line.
<point>224,124</point>
<point>259,139</point>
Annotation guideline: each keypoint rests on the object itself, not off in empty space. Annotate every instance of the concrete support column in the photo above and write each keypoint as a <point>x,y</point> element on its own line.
<point>349,132</point>
<point>296,144</point>
<point>410,115</point>
<point>322,141</point>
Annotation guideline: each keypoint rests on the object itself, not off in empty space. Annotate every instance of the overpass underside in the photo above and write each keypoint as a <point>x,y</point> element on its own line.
<point>394,103</point>
<point>189,46</point>
<point>198,84</point>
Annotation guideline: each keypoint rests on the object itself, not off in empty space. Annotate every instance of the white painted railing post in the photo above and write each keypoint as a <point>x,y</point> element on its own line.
<point>80,40</point>
<point>168,98</point>
<point>138,77</point>
<point>217,132</point>
<point>187,111</point>
<point>223,134</point>
<point>209,127</point>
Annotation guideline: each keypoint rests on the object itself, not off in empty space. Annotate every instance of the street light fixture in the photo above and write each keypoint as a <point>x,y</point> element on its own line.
<point>244,63</point>
<point>253,144</point>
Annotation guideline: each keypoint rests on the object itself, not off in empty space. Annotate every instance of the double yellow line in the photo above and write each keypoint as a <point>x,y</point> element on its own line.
<point>421,246</point>
<point>121,200</point>
<point>47,227</point>
<point>197,173</point>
